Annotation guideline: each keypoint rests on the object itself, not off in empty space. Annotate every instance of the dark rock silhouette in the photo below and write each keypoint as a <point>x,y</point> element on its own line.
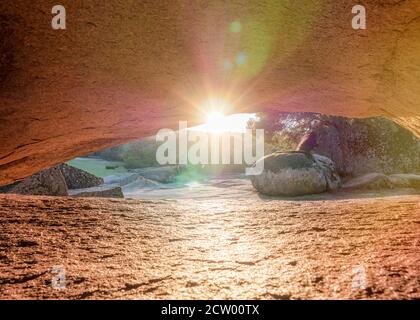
<point>77,179</point>
<point>49,182</point>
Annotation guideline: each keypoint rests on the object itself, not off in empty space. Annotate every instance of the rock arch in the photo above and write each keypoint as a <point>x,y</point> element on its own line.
<point>125,69</point>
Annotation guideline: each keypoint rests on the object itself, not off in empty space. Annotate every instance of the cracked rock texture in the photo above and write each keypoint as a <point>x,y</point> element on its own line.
<point>248,248</point>
<point>125,69</point>
<point>78,179</point>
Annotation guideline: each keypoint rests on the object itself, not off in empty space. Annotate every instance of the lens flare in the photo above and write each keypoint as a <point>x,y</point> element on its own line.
<point>214,118</point>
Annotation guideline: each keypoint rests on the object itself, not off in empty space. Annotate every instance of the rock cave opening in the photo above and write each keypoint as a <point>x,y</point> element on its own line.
<point>122,178</point>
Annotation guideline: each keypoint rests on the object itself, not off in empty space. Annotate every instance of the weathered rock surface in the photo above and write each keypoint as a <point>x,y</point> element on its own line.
<point>405,180</point>
<point>139,183</point>
<point>48,182</point>
<point>78,179</point>
<point>103,191</point>
<point>58,180</point>
<point>377,181</point>
<point>122,179</point>
<point>328,167</point>
<point>295,173</point>
<point>242,248</point>
<point>374,181</point>
<point>131,182</point>
<point>163,174</point>
<point>139,178</point>
<point>132,68</point>
<point>356,146</point>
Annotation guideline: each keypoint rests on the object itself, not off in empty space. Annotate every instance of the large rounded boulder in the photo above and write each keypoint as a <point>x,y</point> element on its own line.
<point>294,174</point>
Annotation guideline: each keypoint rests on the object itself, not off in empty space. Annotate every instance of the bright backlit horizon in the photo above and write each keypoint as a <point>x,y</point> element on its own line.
<point>217,122</point>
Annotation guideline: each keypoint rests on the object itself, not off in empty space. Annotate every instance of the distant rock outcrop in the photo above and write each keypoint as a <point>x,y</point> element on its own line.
<point>377,181</point>
<point>356,146</point>
<point>405,180</point>
<point>77,178</point>
<point>295,173</point>
<point>63,180</point>
<point>163,174</point>
<point>122,179</point>
<point>104,191</point>
<point>300,173</point>
<point>370,181</point>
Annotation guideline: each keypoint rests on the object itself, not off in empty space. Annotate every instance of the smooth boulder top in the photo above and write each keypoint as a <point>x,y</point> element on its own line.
<point>287,160</point>
<point>291,174</point>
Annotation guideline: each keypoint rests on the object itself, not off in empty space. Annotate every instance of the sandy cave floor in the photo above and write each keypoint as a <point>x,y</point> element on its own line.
<point>210,248</point>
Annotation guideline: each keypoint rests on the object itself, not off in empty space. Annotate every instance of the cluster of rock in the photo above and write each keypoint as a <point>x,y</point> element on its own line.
<point>356,146</point>
<point>46,182</point>
<point>336,152</point>
<point>63,180</point>
<point>143,178</point>
<point>300,173</point>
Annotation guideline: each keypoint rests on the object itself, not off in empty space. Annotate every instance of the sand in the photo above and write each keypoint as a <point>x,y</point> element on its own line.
<point>218,248</point>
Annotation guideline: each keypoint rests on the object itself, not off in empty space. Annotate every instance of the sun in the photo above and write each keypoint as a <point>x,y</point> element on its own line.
<point>215,121</point>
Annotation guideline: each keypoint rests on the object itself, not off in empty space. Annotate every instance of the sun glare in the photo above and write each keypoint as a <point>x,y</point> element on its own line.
<point>216,121</point>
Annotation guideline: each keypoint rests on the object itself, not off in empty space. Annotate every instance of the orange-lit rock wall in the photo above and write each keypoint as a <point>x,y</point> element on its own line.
<point>125,69</point>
